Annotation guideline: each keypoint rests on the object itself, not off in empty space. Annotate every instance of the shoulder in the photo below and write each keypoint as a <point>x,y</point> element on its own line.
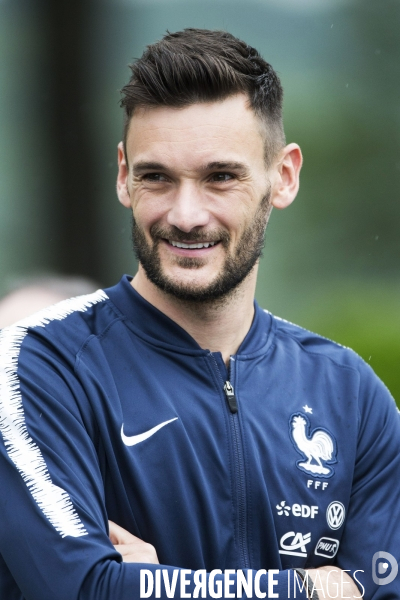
<point>38,357</point>
<point>65,325</point>
<point>55,334</point>
<point>337,363</point>
<point>313,344</point>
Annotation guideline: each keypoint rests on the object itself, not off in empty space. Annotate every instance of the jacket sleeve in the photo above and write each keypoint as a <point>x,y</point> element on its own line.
<point>373,522</point>
<point>54,530</point>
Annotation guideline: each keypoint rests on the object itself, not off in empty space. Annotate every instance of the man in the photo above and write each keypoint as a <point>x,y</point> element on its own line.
<point>212,436</point>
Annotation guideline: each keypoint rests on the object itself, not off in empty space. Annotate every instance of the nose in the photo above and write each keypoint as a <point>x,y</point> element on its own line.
<point>188,208</point>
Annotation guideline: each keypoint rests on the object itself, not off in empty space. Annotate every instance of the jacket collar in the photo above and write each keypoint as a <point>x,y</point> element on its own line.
<point>149,322</point>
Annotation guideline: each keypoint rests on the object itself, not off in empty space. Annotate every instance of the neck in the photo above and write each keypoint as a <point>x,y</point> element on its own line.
<point>219,326</point>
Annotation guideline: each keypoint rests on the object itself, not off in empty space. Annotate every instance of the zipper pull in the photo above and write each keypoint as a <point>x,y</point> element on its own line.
<point>230,396</point>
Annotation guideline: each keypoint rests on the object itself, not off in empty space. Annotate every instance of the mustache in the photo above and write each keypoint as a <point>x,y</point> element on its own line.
<point>196,235</point>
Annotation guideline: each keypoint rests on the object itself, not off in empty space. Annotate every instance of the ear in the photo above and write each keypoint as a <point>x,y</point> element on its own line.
<point>122,178</point>
<point>287,176</point>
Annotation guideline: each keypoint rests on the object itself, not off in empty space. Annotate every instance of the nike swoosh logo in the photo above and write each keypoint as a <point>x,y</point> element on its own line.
<point>131,440</point>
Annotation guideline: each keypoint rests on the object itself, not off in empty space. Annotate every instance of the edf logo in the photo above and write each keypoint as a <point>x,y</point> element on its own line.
<point>297,510</point>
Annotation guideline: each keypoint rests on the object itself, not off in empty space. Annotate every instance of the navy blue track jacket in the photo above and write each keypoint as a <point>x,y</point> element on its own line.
<point>110,410</point>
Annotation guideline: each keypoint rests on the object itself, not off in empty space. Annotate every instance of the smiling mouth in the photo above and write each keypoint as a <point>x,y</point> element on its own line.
<point>193,246</point>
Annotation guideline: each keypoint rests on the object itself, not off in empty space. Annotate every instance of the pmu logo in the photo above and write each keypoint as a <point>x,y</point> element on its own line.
<point>327,547</point>
<point>380,565</point>
<point>297,544</point>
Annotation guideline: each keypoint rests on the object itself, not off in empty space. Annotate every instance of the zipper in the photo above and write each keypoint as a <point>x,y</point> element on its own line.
<point>230,396</point>
<point>240,484</point>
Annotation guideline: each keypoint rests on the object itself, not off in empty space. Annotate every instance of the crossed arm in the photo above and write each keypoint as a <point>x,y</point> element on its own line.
<point>330,579</point>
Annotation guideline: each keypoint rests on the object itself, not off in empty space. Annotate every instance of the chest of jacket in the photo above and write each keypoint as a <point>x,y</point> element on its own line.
<point>264,487</point>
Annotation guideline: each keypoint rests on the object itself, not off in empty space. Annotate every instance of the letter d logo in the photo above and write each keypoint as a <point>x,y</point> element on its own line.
<point>382,568</point>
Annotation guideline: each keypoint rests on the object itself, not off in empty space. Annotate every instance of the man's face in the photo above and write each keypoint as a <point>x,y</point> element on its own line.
<point>199,190</point>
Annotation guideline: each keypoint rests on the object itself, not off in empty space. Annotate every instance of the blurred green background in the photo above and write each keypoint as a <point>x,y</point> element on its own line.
<point>331,261</point>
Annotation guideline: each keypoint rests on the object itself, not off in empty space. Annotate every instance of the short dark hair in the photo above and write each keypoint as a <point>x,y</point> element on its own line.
<point>199,65</point>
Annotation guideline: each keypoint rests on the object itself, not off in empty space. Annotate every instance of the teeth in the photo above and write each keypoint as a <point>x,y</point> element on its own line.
<point>191,246</point>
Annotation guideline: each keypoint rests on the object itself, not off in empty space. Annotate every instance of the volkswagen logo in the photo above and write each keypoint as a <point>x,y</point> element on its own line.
<point>335,514</point>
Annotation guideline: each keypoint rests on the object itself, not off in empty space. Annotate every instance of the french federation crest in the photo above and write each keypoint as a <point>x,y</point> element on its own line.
<point>318,446</point>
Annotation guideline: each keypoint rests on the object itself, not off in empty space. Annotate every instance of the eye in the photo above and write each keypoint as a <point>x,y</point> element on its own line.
<point>221,177</point>
<point>154,177</point>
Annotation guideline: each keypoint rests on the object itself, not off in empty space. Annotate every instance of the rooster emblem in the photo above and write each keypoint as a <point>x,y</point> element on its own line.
<point>318,446</point>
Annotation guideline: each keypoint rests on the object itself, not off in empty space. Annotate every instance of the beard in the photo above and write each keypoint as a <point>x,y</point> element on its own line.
<point>237,265</point>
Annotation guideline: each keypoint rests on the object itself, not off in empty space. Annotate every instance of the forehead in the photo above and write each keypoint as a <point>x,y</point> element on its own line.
<point>222,130</point>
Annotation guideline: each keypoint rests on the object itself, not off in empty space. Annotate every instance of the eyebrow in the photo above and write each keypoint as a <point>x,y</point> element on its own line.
<point>226,165</point>
<point>143,166</point>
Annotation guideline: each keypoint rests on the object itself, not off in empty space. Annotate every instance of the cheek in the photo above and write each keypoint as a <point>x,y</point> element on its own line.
<point>246,199</point>
<point>233,211</point>
<point>147,208</point>
<point>241,214</point>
